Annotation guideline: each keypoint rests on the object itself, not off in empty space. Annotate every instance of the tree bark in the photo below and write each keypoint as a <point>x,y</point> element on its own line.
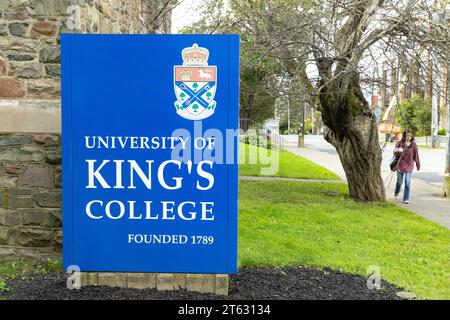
<point>361,163</point>
<point>352,130</point>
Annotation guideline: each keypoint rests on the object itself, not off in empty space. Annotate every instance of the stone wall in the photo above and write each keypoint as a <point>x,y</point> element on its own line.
<point>30,37</point>
<point>30,111</point>
<point>30,195</point>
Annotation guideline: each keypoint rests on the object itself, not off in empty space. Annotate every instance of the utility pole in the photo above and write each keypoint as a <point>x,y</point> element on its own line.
<point>301,130</point>
<point>434,114</point>
<point>384,103</point>
<point>447,163</point>
<point>288,115</point>
<point>446,19</point>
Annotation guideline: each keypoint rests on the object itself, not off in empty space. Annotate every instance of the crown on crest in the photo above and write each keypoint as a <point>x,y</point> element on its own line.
<point>195,56</point>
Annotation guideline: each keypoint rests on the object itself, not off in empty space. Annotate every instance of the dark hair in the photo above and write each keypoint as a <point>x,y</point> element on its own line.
<point>405,133</point>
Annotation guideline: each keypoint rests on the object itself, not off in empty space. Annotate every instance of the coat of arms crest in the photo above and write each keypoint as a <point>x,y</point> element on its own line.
<point>195,84</point>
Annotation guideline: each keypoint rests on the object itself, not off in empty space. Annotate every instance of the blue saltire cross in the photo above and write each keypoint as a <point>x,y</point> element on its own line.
<point>195,95</point>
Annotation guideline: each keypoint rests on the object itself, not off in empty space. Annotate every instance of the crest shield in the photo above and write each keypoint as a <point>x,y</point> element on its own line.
<point>195,84</point>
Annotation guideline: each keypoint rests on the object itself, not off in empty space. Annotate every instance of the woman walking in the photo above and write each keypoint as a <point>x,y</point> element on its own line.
<point>406,151</point>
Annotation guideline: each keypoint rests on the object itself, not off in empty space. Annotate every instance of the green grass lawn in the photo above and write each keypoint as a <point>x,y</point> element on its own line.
<point>294,223</point>
<point>285,223</point>
<point>289,165</point>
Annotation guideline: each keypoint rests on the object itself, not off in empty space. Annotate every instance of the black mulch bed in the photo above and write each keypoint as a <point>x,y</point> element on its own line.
<point>250,283</point>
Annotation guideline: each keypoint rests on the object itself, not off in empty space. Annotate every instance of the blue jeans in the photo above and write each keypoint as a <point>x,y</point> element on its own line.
<point>398,186</point>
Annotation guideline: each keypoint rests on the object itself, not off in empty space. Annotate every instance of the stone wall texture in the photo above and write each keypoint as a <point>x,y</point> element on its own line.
<point>30,37</point>
<point>30,195</point>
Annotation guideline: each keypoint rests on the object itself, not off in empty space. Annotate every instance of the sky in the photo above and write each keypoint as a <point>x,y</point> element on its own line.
<point>184,14</point>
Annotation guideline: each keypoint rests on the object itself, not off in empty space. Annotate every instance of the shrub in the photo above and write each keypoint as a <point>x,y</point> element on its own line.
<point>442,132</point>
<point>259,141</point>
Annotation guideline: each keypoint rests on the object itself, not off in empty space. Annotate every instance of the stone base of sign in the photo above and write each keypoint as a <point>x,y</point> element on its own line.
<point>205,283</point>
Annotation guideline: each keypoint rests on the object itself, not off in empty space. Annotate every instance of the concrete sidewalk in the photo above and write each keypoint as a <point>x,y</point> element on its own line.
<point>426,199</point>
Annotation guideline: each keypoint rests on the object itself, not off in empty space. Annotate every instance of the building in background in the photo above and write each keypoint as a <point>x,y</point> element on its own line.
<point>401,82</point>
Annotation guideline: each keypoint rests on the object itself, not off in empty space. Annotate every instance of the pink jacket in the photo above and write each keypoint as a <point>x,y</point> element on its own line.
<point>407,157</point>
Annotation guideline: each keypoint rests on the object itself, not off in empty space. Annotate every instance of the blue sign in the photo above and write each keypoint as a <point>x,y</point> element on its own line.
<point>150,152</point>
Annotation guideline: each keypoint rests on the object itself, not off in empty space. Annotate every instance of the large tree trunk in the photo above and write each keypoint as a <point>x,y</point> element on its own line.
<point>360,156</point>
<point>352,130</point>
<point>352,127</point>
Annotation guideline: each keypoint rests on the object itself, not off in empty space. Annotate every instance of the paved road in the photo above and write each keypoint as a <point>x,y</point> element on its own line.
<point>432,160</point>
<point>426,192</point>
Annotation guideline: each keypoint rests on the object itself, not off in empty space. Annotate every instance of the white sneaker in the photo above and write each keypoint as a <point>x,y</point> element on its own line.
<point>406,201</point>
<point>396,196</point>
